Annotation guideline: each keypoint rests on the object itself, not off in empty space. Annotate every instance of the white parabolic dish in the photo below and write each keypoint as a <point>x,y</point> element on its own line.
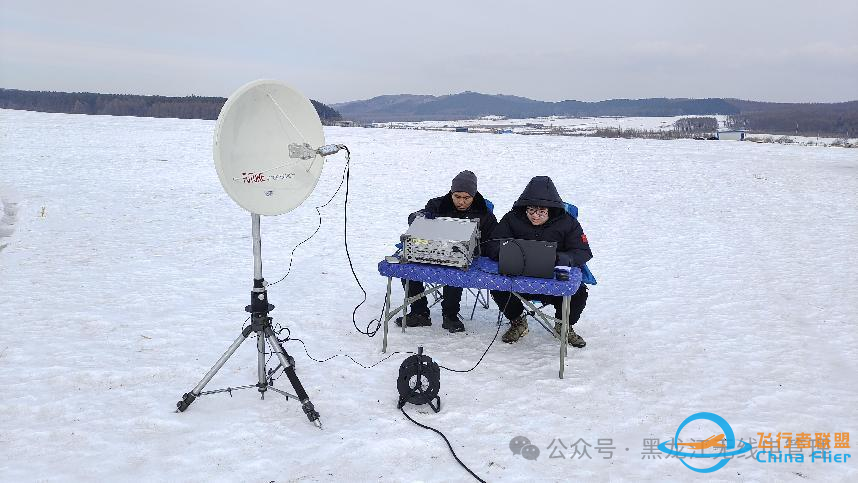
<point>251,147</point>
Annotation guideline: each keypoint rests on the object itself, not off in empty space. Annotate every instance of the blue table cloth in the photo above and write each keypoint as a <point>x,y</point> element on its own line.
<point>483,273</point>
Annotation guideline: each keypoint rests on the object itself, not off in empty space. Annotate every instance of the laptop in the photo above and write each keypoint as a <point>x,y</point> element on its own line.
<point>531,258</point>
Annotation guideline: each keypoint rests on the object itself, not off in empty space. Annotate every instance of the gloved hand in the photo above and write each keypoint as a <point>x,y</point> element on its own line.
<point>420,214</point>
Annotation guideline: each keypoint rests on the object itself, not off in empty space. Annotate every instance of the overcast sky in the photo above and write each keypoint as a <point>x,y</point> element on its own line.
<point>335,51</point>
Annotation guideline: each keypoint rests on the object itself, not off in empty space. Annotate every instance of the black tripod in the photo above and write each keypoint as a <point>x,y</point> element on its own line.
<point>260,323</point>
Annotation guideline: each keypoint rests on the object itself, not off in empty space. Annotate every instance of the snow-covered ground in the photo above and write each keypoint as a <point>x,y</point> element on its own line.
<point>801,140</point>
<point>727,283</point>
<point>577,123</point>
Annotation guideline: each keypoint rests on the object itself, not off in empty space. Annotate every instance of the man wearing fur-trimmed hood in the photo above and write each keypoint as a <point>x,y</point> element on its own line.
<point>540,214</point>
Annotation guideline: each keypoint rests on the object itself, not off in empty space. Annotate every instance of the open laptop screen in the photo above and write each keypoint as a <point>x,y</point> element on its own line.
<point>531,258</point>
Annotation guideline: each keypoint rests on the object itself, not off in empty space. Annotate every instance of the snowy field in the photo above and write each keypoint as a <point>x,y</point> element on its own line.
<point>583,124</point>
<point>727,283</point>
<point>589,125</point>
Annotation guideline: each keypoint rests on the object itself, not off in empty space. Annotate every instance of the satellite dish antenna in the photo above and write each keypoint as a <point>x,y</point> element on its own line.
<point>268,152</point>
<point>265,147</point>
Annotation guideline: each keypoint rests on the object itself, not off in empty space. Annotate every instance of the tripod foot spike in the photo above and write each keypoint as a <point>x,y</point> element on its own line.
<point>311,413</point>
<point>186,401</point>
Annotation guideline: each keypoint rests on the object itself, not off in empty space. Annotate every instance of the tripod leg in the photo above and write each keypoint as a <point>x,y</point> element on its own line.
<point>260,349</point>
<point>289,370</point>
<point>189,397</point>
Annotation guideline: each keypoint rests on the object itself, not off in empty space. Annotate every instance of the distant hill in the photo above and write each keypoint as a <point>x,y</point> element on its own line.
<point>190,107</point>
<point>470,105</point>
<point>811,119</point>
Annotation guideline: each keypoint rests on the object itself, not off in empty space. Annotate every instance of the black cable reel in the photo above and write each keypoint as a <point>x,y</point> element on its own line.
<point>419,381</point>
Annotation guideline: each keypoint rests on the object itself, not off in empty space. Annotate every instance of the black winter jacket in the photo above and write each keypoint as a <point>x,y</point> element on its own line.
<point>572,246</point>
<point>443,206</point>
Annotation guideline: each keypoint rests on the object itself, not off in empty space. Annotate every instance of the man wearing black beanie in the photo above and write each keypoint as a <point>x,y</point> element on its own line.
<point>463,201</point>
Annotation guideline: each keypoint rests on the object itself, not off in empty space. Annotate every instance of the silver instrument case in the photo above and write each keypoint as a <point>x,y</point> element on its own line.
<point>453,242</point>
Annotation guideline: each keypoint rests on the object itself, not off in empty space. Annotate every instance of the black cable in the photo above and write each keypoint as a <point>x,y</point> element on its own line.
<point>481,357</point>
<point>289,337</point>
<point>367,332</point>
<point>468,259</point>
<point>272,372</point>
<point>344,180</point>
<point>500,313</point>
<point>281,329</point>
<point>318,227</point>
<point>446,441</point>
<point>346,355</point>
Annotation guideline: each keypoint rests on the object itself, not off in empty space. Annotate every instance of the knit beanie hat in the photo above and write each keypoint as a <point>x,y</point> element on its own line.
<point>465,181</point>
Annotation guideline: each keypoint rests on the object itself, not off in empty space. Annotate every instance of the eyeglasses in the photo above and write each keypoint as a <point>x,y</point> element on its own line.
<point>533,210</point>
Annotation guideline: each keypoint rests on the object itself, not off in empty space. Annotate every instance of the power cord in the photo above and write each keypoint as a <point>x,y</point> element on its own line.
<point>430,428</point>
<point>344,180</point>
<point>463,465</point>
<point>346,355</point>
<point>367,331</point>
<point>484,352</point>
<point>290,338</point>
<point>319,226</point>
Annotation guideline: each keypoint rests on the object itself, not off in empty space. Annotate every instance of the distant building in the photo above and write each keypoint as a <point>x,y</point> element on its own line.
<point>731,134</point>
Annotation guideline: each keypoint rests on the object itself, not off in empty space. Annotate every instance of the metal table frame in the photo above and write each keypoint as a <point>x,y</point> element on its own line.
<point>545,320</point>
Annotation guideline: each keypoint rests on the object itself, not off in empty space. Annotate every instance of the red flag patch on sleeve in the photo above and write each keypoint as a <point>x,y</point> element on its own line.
<point>584,238</point>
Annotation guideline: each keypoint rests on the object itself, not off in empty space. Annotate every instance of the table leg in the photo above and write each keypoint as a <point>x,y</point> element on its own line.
<point>386,314</point>
<point>405,306</point>
<point>564,332</point>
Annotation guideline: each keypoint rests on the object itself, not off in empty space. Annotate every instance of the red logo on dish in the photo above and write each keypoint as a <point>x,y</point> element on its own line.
<point>584,238</point>
<point>253,177</point>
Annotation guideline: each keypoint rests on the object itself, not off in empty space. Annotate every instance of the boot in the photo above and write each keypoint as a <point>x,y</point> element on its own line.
<point>453,323</point>
<point>517,329</point>
<point>572,338</point>
<point>415,320</point>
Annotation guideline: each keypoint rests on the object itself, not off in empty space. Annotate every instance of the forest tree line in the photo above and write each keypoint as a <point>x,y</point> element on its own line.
<point>189,107</point>
<point>836,120</point>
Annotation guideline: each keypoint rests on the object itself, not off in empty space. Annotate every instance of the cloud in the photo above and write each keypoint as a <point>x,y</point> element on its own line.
<point>339,51</point>
<point>139,70</point>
